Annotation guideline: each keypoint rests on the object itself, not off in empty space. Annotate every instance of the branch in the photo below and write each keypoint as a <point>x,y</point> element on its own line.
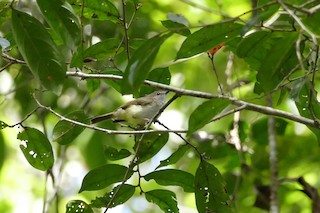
<point>125,28</point>
<point>299,22</point>
<point>107,131</point>
<point>314,9</point>
<point>247,106</point>
<point>11,59</point>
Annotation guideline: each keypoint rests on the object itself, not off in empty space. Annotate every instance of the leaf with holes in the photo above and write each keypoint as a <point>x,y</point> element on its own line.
<point>300,92</point>
<point>210,191</point>
<point>97,10</point>
<point>3,125</point>
<point>150,145</point>
<point>112,153</point>
<point>37,149</point>
<point>125,192</point>
<point>173,177</point>
<point>280,59</point>
<point>165,199</point>
<point>104,176</point>
<point>76,206</point>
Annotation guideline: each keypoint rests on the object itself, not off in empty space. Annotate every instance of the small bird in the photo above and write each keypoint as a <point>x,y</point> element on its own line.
<point>137,112</point>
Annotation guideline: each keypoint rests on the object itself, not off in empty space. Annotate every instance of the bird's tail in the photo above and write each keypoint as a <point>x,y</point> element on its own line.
<point>101,118</point>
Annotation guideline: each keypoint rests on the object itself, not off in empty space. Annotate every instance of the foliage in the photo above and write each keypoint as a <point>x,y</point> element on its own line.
<point>230,67</point>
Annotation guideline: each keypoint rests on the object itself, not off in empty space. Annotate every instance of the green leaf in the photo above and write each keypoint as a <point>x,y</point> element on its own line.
<point>272,54</point>
<point>38,50</point>
<point>77,206</point>
<point>208,37</point>
<point>104,176</point>
<point>93,84</point>
<point>205,112</point>
<point>177,155</point>
<point>150,145</point>
<point>113,83</point>
<point>37,150</point>
<point>98,10</point>
<point>177,18</point>
<point>102,50</point>
<point>259,133</point>
<point>177,24</point>
<point>254,47</point>
<point>77,58</point>
<point>140,63</point>
<point>173,177</point>
<point>210,191</point>
<point>62,20</point>
<point>312,22</point>
<point>301,90</point>
<point>266,12</point>
<point>65,132</point>
<point>165,199</point>
<point>176,27</point>
<point>279,61</point>
<point>125,192</point>
<point>112,153</point>
<point>159,75</point>
<point>262,15</point>
<point>3,125</point>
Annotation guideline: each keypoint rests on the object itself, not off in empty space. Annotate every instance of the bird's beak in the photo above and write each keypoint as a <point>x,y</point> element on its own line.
<point>167,92</point>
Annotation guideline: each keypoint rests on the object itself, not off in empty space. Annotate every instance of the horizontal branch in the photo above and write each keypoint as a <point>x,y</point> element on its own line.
<point>240,103</point>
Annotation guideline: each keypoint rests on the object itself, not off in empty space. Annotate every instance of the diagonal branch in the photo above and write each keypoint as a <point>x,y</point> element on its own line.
<point>107,131</point>
<point>240,103</point>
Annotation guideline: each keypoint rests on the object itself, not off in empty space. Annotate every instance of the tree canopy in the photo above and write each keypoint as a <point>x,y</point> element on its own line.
<point>240,130</point>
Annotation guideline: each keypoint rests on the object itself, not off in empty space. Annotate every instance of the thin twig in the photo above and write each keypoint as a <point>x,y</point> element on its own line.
<point>107,131</point>
<point>299,22</point>
<point>125,28</point>
<point>222,115</point>
<point>124,37</point>
<point>314,9</point>
<point>211,57</point>
<point>25,118</point>
<point>6,66</point>
<point>11,59</point>
<point>185,140</point>
<point>298,53</point>
<point>312,93</point>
